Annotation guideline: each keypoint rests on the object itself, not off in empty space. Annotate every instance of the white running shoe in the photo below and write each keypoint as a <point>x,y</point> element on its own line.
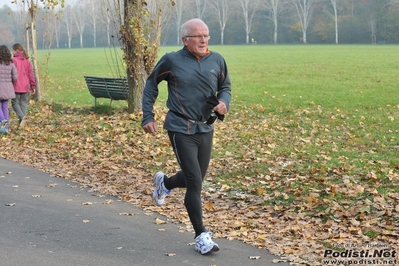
<point>160,192</point>
<point>204,243</point>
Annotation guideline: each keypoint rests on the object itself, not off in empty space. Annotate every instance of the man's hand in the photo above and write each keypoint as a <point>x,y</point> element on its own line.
<point>221,108</point>
<point>151,127</point>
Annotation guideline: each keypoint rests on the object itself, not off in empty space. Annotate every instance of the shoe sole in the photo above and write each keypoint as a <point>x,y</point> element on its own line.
<point>215,248</point>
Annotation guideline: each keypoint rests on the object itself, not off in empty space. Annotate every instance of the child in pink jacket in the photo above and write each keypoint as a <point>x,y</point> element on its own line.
<point>26,82</point>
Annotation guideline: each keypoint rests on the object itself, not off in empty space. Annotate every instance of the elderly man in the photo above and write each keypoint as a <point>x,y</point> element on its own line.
<point>199,91</point>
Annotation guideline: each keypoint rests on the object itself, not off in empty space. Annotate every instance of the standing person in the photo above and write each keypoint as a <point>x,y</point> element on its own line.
<point>195,76</point>
<point>26,82</point>
<point>8,75</point>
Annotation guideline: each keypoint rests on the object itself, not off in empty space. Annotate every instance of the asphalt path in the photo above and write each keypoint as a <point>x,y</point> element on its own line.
<point>48,221</point>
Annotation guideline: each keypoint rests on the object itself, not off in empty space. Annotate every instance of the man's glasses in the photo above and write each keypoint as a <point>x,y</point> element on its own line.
<point>199,37</point>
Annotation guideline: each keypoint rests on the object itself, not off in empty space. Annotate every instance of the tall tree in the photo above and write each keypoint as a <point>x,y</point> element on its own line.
<point>223,10</point>
<point>139,40</point>
<point>79,17</point>
<point>333,14</point>
<point>274,8</point>
<point>248,8</point>
<point>107,10</point>
<point>33,9</point>
<point>67,15</point>
<point>8,38</point>
<point>20,18</point>
<point>200,7</point>
<point>334,5</point>
<point>178,10</point>
<point>92,10</point>
<point>376,10</point>
<point>304,9</point>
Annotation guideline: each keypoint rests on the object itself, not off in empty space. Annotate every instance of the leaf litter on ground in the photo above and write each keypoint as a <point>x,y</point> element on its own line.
<point>285,185</point>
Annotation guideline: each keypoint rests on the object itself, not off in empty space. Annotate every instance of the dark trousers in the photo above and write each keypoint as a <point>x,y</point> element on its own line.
<point>193,152</point>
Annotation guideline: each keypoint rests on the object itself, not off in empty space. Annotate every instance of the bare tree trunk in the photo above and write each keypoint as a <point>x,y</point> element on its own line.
<point>304,9</point>
<point>200,8</point>
<point>32,28</point>
<point>274,8</point>
<point>34,59</point>
<point>248,8</point>
<point>140,52</point>
<point>178,16</point>
<point>223,10</point>
<point>68,20</point>
<point>27,37</point>
<point>335,20</point>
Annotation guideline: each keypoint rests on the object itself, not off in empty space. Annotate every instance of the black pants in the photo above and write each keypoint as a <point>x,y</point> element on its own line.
<point>193,152</point>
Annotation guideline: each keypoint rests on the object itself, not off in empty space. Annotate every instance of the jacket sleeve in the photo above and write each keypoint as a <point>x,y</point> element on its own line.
<point>150,93</point>
<point>224,86</point>
<point>31,75</point>
<point>14,73</point>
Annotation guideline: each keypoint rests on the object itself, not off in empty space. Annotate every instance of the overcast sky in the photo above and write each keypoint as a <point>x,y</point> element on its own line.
<point>5,2</point>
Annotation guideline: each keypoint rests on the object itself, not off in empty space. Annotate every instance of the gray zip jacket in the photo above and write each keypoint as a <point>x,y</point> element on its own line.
<point>190,81</point>
<point>8,76</point>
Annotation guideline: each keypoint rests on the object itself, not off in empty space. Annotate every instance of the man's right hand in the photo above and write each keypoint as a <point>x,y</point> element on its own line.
<point>151,127</point>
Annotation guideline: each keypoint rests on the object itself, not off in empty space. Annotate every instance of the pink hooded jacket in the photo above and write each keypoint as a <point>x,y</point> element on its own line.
<point>26,79</point>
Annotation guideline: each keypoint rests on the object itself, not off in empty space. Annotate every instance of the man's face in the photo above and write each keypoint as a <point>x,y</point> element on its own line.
<point>198,42</point>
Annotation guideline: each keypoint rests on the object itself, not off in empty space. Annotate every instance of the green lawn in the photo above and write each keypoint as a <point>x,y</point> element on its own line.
<point>344,76</point>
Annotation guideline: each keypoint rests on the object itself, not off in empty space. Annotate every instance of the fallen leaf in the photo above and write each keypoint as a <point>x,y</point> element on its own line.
<point>159,221</point>
<point>126,213</point>
<point>110,201</point>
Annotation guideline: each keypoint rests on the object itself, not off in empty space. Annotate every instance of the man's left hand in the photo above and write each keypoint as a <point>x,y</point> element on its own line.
<point>221,108</point>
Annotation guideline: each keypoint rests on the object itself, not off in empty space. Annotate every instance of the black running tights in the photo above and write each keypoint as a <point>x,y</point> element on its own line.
<point>193,152</point>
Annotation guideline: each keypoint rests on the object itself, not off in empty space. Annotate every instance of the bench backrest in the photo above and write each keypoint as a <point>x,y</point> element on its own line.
<point>111,88</point>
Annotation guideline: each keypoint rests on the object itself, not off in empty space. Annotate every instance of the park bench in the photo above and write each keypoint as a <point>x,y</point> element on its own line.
<point>110,88</point>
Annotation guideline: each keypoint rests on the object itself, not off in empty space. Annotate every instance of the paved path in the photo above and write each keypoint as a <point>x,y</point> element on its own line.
<point>44,222</point>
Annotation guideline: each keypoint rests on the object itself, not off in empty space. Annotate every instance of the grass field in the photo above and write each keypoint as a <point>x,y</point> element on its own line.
<point>347,83</point>
<point>348,77</point>
<point>353,84</point>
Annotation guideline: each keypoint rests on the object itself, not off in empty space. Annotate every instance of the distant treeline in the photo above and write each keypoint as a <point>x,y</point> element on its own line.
<point>92,23</point>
